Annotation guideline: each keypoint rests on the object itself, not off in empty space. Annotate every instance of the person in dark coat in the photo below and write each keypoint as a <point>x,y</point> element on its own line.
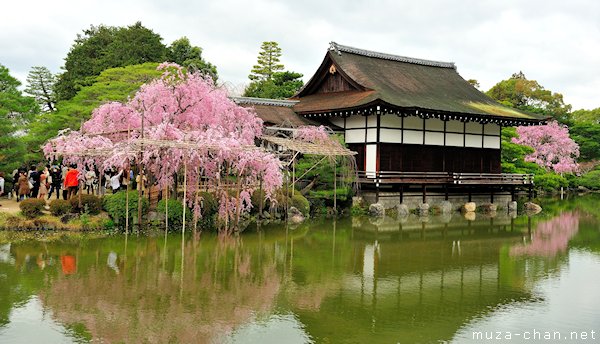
<point>56,176</point>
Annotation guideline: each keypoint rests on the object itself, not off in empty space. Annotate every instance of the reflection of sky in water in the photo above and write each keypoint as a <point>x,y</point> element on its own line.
<point>5,256</point>
<point>271,330</point>
<point>569,302</point>
<point>31,323</point>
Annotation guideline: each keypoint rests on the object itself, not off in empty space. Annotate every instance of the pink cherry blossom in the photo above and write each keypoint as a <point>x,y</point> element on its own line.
<point>553,148</point>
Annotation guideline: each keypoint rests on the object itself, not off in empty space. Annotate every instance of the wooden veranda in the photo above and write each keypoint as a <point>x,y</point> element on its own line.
<point>447,181</point>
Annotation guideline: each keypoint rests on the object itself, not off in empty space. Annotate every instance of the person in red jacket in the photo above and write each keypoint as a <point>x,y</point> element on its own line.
<point>71,181</point>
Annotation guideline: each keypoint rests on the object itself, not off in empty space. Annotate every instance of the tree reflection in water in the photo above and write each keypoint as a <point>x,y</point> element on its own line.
<point>550,237</point>
<point>146,303</point>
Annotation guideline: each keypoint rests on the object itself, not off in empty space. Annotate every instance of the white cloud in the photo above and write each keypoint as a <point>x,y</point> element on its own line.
<point>554,42</point>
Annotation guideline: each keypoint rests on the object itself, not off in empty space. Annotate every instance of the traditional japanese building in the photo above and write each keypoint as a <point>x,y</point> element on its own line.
<point>412,121</point>
<point>406,114</point>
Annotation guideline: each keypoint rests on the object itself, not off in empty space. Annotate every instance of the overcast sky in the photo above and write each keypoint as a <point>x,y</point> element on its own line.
<point>556,42</point>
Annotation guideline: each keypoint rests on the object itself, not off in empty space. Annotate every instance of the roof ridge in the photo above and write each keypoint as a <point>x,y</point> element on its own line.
<point>264,101</point>
<point>339,48</point>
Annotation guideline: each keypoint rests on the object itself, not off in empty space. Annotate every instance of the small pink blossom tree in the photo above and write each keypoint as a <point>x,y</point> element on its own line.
<point>554,150</point>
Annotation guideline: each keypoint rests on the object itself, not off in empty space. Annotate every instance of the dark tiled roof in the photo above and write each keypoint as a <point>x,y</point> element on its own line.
<point>274,111</point>
<point>400,82</point>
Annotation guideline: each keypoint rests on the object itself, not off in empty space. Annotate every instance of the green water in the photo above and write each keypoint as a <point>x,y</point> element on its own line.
<point>351,281</point>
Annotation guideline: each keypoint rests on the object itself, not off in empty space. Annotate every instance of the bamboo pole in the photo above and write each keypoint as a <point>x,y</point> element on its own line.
<point>166,197</point>
<point>127,208</point>
<point>141,175</point>
<point>126,195</point>
<point>335,185</point>
<point>184,198</point>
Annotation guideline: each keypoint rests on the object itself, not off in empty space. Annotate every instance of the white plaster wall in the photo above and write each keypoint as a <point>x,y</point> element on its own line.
<point>491,129</point>
<point>355,121</point>
<point>372,120</point>
<point>491,142</point>
<point>391,135</point>
<point>432,138</point>
<point>474,128</point>
<point>455,126</point>
<point>413,136</point>
<point>371,135</point>
<point>413,122</point>
<point>392,121</point>
<point>355,136</point>
<point>455,140</point>
<point>473,141</point>
<point>434,124</point>
<point>371,158</point>
<point>339,121</point>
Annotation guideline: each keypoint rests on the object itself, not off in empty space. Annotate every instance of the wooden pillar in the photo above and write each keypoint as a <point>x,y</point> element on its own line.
<point>492,195</point>
<point>445,192</point>
<point>424,193</point>
<point>401,194</point>
<point>335,185</point>
<point>530,192</point>
<point>470,196</point>
<point>184,198</point>
<point>512,193</point>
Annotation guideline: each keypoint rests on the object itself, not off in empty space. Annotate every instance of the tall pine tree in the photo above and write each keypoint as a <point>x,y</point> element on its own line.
<point>40,85</point>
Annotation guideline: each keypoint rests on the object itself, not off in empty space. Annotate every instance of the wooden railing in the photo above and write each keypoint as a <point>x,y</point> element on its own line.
<point>493,178</point>
<point>427,178</point>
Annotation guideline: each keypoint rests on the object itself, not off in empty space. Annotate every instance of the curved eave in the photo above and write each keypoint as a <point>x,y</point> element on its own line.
<point>386,108</point>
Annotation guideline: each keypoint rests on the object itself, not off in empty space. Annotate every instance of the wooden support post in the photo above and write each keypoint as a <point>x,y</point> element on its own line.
<point>261,202</point>
<point>335,185</point>
<point>445,192</point>
<point>470,196</point>
<point>126,208</point>
<point>512,193</point>
<point>424,193</point>
<point>166,197</point>
<point>492,196</point>
<point>141,175</point>
<point>293,174</point>
<point>530,192</point>
<point>184,198</point>
<point>401,194</point>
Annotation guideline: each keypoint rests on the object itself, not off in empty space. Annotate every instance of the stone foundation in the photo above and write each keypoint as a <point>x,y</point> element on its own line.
<point>435,199</point>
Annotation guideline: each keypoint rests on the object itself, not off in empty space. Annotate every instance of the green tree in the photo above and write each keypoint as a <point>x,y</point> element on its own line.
<point>101,47</point>
<point>474,83</point>
<point>282,85</point>
<point>40,85</point>
<point>521,93</point>
<point>114,84</point>
<point>268,62</point>
<point>16,111</point>
<point>586,116</point>
<point>269,80</point>
<point>184,54</point>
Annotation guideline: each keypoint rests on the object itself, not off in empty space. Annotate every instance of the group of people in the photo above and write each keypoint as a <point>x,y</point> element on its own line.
<point>43,182</point>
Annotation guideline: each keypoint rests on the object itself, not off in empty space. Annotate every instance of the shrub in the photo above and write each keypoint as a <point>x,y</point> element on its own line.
<point>32,207</point>
<point>89,203</point>
<point>175,212</point>
<point>256,198</point>
<point>115,206</point>
<point>550,182</point>
<point>590,180</point>
<point>210,205</point>
<point>301,203</point>
<point>59,207</point>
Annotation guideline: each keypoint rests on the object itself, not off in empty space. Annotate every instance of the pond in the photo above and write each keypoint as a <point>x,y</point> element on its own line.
<point>355,280</point>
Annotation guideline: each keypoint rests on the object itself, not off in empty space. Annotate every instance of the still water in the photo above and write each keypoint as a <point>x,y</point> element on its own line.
<point>444,279</point>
